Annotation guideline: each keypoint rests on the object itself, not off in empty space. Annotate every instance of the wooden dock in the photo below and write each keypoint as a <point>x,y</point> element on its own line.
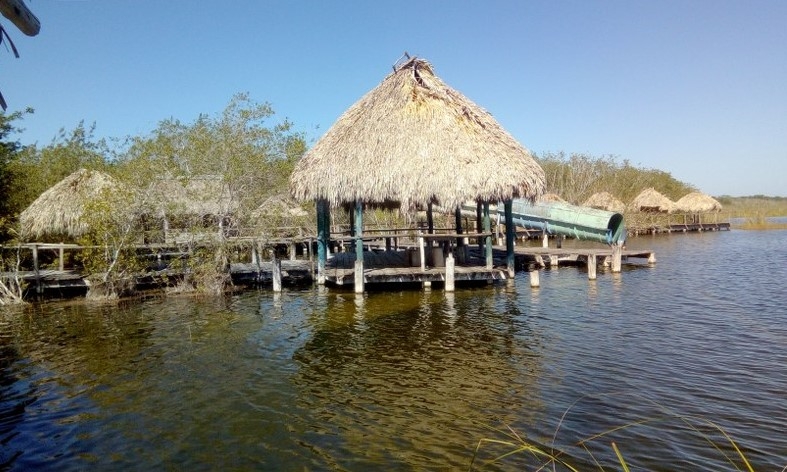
<point>384,263</point>
<point>552,257</point>
<point>680,228</point>
<point>394,267</point>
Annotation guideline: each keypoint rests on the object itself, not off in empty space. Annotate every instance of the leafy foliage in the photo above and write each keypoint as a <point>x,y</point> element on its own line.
<point>576,177</point>
<point>9,152</point>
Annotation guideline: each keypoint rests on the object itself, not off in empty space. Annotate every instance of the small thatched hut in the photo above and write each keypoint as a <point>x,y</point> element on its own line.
<point>282,212</point>
<point>415,141</point>
<point>183,205</point>
<point>652,201</point>
<point>198,196</point>
<point>58,212</point>
<point>605,201</point>
<point>694,204</point>
<point>697,202</point>
<point>551,197</point>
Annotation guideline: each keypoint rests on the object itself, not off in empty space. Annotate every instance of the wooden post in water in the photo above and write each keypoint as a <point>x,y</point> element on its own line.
<point>61,262</point>
<point>323,238</point>
<point>39,287</point>
<point>592,267</point>
<point>276,275</point>
<point>479,225</point>
<point>510,236</point>
<point>617,257</point>
<point>460,242</point>
<point>553,261</point>
<point>449,272</point>
<point>488,238</point>
<point>545,242</point>
<point>421,250</point>
<point>359,247</point>
<point>534,280</point>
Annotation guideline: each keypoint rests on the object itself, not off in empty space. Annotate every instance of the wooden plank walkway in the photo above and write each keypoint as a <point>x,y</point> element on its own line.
<point>393,267</point>
<point>292,272</point>
<point>380,267</point>
<point>550,256</point>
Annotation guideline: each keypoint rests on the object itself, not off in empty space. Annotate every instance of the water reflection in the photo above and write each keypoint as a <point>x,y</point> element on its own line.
<point>318,379</point>
<point>413,384</point>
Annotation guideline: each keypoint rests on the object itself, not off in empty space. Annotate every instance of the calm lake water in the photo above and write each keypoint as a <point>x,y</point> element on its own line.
<point>325,380</point>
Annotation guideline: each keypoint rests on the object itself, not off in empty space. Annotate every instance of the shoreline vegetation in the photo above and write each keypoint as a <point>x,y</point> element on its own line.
<point>754,212</point>
<point>222,174</point>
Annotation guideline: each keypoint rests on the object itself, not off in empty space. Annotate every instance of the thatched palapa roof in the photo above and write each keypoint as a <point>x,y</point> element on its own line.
<point>200,196</point>
<point>605,201</point>
<point>413,140</point>
<point>59,210</point>
<point>551,197</point>
<point>697,202</point>
<point>653,201</point>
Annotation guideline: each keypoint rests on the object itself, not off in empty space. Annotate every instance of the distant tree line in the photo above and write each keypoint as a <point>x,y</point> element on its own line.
<point>575,177</point>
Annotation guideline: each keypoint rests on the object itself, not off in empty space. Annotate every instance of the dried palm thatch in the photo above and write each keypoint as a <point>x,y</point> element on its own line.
<point>697,202</point>
<point>279,207</point>
<point>412,141</point>
<point>198,196</point>
<point>550,197</point>
<point>59,210</point>
<point>650,200</point>
<point>605,201</point>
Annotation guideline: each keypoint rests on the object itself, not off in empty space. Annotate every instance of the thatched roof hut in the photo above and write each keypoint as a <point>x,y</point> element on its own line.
<point>650,200</point>
<point>198,196</point>
<point>697,202</point>
<point>59,210</point>
<point>605,201</point>
<point>551,197</point>
<point>411,141</point>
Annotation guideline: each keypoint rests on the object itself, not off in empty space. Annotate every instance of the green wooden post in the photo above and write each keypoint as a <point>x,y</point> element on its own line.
<point>458,219</point>
<point>323,238</point>
<point>488,237</point>
<point>509,215</point>
<point>479,227</point>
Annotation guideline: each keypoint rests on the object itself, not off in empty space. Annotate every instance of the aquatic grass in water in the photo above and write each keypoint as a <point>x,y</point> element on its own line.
<point>510,444</point>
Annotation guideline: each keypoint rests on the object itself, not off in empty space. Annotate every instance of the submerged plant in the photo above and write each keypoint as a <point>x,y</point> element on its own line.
<point>509,444</point>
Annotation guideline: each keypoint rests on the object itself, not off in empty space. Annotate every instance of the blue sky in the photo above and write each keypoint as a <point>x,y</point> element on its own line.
<point>693,87</point>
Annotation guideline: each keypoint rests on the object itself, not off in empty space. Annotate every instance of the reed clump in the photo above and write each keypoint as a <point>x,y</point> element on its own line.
<point>760,222</point>
<point>605,450</point>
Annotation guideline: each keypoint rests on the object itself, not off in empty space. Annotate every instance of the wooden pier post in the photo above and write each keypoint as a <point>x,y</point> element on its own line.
<point>479,225</point>
<point>617,257</point>
<point>545,242</point>
<point>323,238</point>
<point>510,236</point>
<point>553,261</point>
<point>488,238</point>
<point>534,279</point>
<point>359,247</point>
<point>276,275</point>
<point>39,286</point>
<point>449,273</point>
<point>421,250</point>
<point>255,256</point>
<point>592,267</point>
<point>61,261</point>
